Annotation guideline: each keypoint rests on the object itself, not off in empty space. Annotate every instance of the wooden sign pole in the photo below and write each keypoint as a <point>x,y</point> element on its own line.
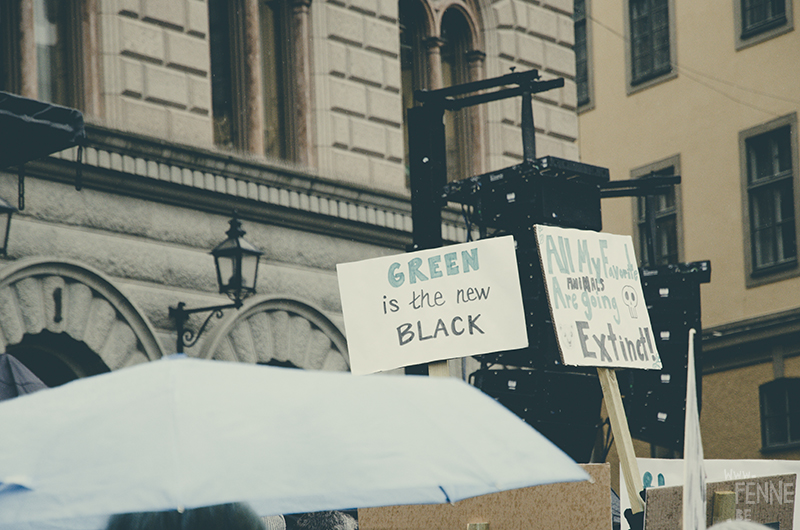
<point>622,436</point>
<point>439,369</point>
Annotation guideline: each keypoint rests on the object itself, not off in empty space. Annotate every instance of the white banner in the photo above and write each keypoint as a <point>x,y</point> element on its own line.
<point>432,305</point>
<point>595,295</point>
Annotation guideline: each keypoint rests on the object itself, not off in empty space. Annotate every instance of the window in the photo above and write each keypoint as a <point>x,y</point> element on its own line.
<point>770,169</point>
<point>663,210</point>
<point>57,358</point>
<point>257,106</point>
<point>650,46</point>
<point>455,71</point>
<point>780,414</point>
<point>582,53</point>
<point>650,53</point>
<point>658,217</point>
<point>759,15</point>
<point>274,44</point>
<point>51,65</point>
<point>53,47</point>
<point>222,79</point>
<point>760,20</point>
<point>9,53</point>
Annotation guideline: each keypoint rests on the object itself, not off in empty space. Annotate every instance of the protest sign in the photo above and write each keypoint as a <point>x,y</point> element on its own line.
<point>765,500</point>
<point>595,295</point>
<point>743,477</point>
<point>432,305</point>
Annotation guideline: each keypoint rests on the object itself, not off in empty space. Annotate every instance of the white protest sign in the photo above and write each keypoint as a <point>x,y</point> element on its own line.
<point>595,295</point>
<point>432,305</point>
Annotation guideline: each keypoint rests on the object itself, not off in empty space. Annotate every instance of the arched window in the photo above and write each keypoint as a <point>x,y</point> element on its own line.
<point>57,358</point>
<point>412,57</point>
<point>455,34</point>
<point>261,78</point>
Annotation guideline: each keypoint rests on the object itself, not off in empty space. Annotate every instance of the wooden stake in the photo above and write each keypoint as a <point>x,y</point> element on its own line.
<point>622,437</point>
<point>439,369</point>
<point>724,506</point>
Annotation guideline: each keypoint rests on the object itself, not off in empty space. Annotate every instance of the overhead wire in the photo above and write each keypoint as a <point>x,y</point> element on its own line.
<point>703,78</point>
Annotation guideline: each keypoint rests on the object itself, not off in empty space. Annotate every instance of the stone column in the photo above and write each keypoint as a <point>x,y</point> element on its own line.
<point>253,89</point>
<point>300,99</point>
<point>433,45</point>
<point>28,76</point>
<point>477,115</point>
<point>90,53</point>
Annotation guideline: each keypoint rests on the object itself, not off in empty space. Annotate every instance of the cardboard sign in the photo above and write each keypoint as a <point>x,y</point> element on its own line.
<point>595,295</point>
<point>562,506</point>
<point>432,305</point>
<point>764,500</point>
<point>742,476</point>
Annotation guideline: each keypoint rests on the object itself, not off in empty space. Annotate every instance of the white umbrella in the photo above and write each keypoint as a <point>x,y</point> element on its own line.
<point>189,433</point>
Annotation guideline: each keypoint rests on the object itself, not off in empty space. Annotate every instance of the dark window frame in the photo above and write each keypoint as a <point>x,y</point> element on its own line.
<point>647,43</point>
<point>584,85</point>
<point>256,107</point>
<point>412,22</point>
<point>750,34</point>
<point>786,265</point>
<point>76,82</point>
<point>456,44</point>
<point>781,392</point>
<point>636,78</point>
<point>667,166</point>
<point>276,72</point>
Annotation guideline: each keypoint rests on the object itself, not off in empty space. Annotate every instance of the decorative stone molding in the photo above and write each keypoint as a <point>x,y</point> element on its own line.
<point>59,296</point>
<point>280,330</point>
<point>299,196</point>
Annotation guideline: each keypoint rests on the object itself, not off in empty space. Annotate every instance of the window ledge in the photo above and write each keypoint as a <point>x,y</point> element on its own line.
<point>782,447</point>
<point>746,39</point>
<point>763,27</point>
<point>647,82</point>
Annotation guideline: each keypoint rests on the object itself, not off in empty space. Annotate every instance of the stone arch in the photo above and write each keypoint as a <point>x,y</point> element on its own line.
<point>472,16</point>
<point>431,27</point>
<point>278,329</point>
<point>58,296</point>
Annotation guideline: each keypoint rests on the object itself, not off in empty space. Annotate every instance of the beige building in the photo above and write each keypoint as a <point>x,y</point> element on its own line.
<point>708,91</point>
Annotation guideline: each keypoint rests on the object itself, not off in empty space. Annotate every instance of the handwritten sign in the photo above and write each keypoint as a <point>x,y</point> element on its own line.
<point>432,305</point>
<point>765,500</point>
<point>743,477</point>
<point>595,295</point>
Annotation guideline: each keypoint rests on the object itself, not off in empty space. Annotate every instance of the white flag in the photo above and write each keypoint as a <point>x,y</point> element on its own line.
<point>694,487</point>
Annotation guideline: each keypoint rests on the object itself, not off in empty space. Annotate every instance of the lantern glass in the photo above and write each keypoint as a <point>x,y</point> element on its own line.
<point>237,264</point>
<point>249,271</point>
<point>226,265</point>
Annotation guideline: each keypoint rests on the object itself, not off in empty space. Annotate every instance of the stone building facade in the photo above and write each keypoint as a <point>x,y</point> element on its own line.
<point>290,112</point>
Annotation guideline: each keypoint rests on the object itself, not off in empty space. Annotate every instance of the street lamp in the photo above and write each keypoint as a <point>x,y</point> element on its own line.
<point>6,211</point>
<point>236,262</point>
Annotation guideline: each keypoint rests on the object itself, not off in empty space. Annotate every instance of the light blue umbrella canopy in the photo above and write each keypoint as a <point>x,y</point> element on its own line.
<point>190,433</point>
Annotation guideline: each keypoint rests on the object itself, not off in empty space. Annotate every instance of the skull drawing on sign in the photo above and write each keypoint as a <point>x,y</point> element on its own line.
<point>630,299</point>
